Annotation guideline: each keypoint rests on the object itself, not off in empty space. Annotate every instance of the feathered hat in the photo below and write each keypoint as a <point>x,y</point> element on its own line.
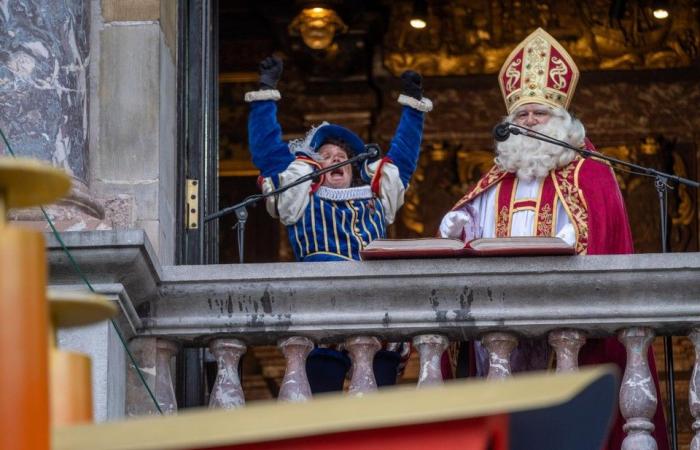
<point>317,136</point>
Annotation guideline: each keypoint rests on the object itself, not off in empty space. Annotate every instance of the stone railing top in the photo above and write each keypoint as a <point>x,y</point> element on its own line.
<point>327,301</point>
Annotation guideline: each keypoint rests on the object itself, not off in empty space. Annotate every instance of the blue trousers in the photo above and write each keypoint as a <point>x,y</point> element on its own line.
<point>326,369</point>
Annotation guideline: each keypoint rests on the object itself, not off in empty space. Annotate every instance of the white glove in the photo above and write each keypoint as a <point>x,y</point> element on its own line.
<point>454,223</point>
<point>568,234</point>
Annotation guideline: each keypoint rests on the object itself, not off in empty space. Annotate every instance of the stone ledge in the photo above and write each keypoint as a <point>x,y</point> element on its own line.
<point>461,298</point>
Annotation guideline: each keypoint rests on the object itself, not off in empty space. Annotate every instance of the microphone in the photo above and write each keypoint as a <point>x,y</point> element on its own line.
<point>372,151</point>
<point>501,132</point>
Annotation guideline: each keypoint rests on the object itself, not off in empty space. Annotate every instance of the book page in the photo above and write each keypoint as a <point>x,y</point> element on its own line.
<point>415,244</point>
<point>515,242</point>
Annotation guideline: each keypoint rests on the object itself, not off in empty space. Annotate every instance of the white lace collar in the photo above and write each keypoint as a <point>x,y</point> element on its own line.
<point>353,193</point>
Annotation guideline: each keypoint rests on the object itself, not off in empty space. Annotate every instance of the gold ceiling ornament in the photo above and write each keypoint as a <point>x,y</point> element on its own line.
<point>650,146</point>
<point>685,211</point>
<point>466,37</point>
<point>317,27</point>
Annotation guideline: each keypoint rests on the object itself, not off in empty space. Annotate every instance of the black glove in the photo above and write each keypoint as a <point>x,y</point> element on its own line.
<point>270,72</point>
<point>412,84</point>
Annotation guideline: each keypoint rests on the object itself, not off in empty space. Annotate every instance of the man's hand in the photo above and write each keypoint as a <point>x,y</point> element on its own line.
<point>412,84</point>
<point>270,72</point>
<point>453,225</point>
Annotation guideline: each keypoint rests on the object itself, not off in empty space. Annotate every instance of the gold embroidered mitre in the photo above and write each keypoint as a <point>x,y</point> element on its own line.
<point>539,70</point>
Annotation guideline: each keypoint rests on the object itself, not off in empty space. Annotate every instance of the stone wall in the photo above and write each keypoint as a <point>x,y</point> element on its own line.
<point>133,113</point>
<point>90,86</point>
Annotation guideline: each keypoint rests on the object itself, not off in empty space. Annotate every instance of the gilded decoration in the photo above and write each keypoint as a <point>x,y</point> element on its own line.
<point>503,222</point>
<point>565,183</point>
<point>545,218</point>
<point>474,37</point>
<point>641,196</point>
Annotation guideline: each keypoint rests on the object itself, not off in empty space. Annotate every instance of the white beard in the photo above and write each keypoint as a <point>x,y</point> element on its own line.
<point>530,158</point>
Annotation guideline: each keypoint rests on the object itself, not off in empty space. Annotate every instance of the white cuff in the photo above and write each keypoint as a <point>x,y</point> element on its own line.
<point>424,104</point>
<point>262,94</point>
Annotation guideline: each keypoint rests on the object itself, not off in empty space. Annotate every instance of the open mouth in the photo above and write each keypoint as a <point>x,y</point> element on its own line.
<point>336,173</point>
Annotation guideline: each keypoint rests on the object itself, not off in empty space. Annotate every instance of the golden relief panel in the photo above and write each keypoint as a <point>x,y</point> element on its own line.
<point>474,37</point>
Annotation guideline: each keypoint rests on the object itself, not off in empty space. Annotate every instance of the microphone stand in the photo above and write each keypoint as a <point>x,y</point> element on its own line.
<point>661,180</point>
<point>242,212</point>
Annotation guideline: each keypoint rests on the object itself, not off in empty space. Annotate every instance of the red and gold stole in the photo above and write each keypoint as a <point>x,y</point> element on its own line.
<point>543,206</point>
<point>561,185</point>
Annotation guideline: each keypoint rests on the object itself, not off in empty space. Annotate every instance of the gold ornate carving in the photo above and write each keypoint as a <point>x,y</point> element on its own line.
<point>317,27</point>
<point>475,36</point>
<point>686,210</point>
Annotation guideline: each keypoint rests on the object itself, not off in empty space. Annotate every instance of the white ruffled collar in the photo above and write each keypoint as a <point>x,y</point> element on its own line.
<point>353,193</point>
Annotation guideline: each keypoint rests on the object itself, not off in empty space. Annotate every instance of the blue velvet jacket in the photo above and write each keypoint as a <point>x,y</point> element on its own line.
<point>333,227</point>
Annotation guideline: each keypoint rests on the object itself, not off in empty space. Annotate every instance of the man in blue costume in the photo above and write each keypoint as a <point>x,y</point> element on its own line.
<point>332,220</point>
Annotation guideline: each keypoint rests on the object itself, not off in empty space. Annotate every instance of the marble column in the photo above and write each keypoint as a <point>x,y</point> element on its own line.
<point>153,357</point>
<point>227,391</point>
<point>44,56</point>
<point>430,348</point>
<point>295,384</point>
<point>694,390</point>
<point>499,345</point>
<point>566,344</point>
<point>362,350</point>
<point>165,385</point>
<point>637,392</point>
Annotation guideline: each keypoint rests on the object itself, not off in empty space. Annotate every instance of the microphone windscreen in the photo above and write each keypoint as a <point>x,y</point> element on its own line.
<point>501,132</point>
<point>372,150</point>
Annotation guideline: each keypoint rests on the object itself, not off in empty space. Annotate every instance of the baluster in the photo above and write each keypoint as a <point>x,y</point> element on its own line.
<point>430,348</point>
<point>566,344</point>
<point>227,391</point>
<point>165,392</point>
<point>637,392</point>
<point>138,401</point>
<point>295,385</point>
<point>362,350</point>
<point>499,345</point>
<point>694,390</point>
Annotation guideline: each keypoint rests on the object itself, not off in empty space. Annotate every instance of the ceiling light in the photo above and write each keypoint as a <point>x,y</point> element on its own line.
<point>419,15</point>
<point>659,9</point>
<point>418,23</point>
<point>661,13</point>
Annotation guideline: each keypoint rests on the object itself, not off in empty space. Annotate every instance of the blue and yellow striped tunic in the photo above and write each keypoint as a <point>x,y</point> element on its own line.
<point>336,230</point>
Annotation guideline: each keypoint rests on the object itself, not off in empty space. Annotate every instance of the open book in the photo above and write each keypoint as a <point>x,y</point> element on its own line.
<point>450,248</point>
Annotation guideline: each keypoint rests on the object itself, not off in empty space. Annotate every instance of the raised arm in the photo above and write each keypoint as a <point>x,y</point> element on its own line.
<point>405,146</point>
<point>390,176</point>
<point>270,154</point>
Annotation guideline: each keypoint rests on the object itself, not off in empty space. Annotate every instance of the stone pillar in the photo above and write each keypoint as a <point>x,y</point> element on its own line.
<point>165,388</point>
<point>295,384</point>
<point>362,350</point>
<point>430,348</point>
<point>44,52</point>
<point>43,99</point>
<point>637,392</point>
<point>694,390</point>
<point>566,344</point>
<point>227,391</point>
<point>499,345</point>
<point>153,357</point>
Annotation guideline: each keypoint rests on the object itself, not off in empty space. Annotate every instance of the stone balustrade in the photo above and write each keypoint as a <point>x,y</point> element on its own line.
<point>431,302</point>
